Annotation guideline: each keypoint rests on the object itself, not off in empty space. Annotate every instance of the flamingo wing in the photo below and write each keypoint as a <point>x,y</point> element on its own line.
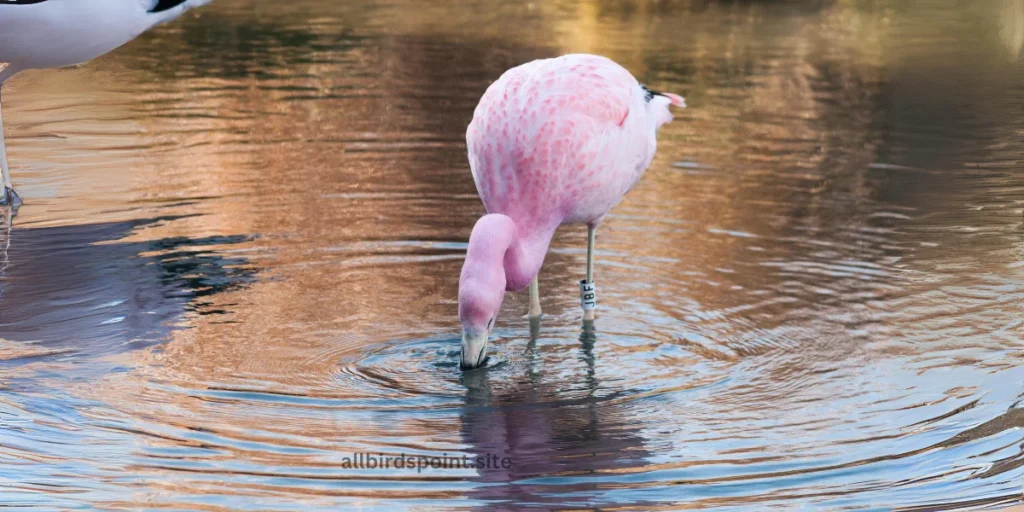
<point>559,139</point>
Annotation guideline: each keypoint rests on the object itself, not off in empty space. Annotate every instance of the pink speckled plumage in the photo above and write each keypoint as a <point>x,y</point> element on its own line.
<point>553,141</point>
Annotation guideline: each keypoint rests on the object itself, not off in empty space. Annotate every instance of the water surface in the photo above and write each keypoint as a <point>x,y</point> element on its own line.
<point>237,265</point>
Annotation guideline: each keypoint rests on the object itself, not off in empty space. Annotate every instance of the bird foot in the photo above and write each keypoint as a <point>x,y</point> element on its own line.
<point>11,199</point>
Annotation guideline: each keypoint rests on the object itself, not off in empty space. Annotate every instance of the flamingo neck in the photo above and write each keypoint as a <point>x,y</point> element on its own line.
<point>500,251</point>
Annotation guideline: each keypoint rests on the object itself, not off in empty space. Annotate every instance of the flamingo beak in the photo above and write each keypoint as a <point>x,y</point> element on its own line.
<point>474,349</point>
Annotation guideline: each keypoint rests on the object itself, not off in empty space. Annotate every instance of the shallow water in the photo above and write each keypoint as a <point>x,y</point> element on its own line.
<point>238,259</point>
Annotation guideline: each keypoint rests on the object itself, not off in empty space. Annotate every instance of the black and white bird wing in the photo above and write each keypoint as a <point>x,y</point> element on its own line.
<point>164,5</point>
<point>169,9</point>
<point>54,33</point>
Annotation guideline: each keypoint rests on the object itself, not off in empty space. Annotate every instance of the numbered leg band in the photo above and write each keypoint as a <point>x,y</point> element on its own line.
<point>588,295</point>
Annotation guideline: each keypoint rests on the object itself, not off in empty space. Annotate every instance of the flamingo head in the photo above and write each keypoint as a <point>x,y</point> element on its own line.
<point>479,302</point>
<point>658,105</point>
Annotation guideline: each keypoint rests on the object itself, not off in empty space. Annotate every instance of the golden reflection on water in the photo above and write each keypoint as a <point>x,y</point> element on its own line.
<point>239,254</point>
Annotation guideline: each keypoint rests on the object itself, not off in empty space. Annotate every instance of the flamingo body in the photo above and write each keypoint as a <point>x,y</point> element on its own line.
<point>553,141</point>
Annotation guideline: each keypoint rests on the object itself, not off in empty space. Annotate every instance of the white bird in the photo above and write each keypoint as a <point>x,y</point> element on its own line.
<point>36,34</point>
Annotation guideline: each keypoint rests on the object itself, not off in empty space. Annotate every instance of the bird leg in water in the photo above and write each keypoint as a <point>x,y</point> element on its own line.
<point>7,195</point>
<point>534,298</point>
<point>5,239</point>
<point>588,294</point>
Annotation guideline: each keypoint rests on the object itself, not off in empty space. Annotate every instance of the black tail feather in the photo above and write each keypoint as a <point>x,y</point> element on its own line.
<point>163,5</point>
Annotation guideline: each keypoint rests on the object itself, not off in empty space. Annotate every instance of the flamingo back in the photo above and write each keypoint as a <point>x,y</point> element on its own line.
<point>560,140</point>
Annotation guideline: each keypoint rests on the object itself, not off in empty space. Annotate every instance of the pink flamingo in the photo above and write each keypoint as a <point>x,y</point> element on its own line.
<point>552,142</point>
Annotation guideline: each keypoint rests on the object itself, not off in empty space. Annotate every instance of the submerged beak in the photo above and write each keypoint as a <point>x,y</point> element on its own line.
<point>474,349</point>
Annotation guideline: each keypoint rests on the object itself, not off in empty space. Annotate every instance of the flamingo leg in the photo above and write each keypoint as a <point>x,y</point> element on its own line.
<point>588,314</point>
<point>534,298</point>
<point>7,195</point>
<point>3,162</point>
<point>5,241</point>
